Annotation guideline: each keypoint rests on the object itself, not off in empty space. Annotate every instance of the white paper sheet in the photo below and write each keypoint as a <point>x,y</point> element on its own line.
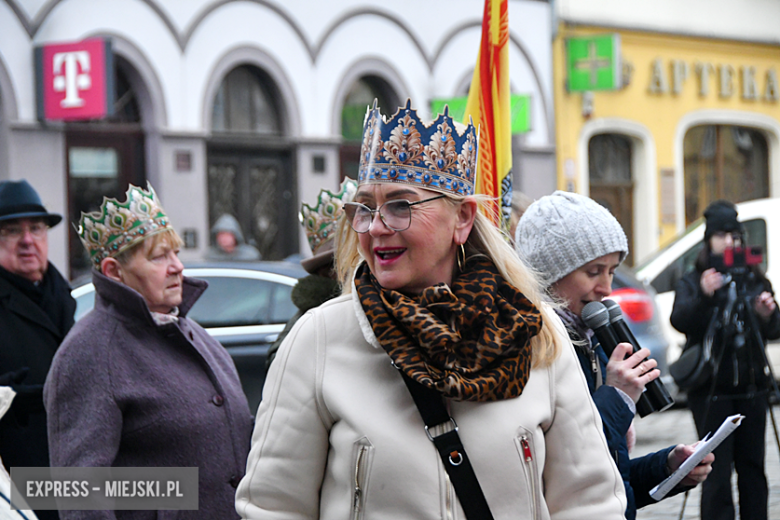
<point>705,446</point>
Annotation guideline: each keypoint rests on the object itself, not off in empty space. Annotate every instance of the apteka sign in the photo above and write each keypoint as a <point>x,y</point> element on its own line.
<point>75,81</point>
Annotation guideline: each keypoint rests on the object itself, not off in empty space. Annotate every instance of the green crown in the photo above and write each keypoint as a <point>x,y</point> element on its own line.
<point>120,225</point>
<point>320,221</point>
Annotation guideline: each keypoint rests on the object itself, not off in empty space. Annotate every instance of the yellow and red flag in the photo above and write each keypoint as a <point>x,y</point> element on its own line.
<point>489,107</point>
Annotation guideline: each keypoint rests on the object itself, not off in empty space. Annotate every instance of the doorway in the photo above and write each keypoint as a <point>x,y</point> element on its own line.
<point>258,190</point>
<point>611,181</point>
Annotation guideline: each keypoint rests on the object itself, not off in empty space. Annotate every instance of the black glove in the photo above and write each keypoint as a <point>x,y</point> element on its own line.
<point>13,378</point>
<point>28,401</point>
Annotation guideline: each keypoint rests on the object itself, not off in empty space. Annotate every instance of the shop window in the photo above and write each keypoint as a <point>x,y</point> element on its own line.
<point>244,103</point>
<point>358,99</point>
<point>723,162</point>
<point>103,158</point>
<point>611,179</point>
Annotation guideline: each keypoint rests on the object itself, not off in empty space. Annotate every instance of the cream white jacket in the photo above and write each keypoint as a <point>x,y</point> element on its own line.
<point>339,437</point>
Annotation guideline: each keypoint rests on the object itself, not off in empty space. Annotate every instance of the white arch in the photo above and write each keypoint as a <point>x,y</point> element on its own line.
<point>244,55</point>
<point>144,81</point>
<point>643,157</point>
<point>355,43</point>
<point>769,125</point>
<point>366,66</point>
<point>7,114</point>
<point>142,38</point>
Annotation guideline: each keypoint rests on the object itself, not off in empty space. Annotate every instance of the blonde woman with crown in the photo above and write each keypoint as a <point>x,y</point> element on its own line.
<point>437,306</point>
<point>138,384</point>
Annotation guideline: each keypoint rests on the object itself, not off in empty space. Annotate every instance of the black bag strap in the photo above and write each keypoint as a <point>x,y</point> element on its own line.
<point>431,406</point>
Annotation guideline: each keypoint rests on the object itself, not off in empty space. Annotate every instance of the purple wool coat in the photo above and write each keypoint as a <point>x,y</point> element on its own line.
<point>124,391</point>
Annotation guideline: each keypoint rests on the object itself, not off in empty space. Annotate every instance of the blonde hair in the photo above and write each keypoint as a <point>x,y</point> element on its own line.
<point>168,235</point>
<point>484,239</point>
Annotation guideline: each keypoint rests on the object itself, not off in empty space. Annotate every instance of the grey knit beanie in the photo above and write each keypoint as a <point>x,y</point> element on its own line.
<point>562,232</point>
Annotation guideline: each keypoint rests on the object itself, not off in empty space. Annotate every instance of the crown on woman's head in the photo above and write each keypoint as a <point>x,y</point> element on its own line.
<point>320,221</point>
<point>403,149</point>
<point>119,225</point>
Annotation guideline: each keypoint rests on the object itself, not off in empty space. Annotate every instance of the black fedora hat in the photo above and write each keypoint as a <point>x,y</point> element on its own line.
<point>20,200</point>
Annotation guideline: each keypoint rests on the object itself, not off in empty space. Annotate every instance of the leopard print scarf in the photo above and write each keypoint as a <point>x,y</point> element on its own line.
<point>471,342</point>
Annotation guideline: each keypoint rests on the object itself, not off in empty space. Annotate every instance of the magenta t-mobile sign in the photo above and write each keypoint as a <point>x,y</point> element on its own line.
<point>75,80</point>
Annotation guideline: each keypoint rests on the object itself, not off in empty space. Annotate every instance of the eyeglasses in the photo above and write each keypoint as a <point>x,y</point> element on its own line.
<point>395,214</point>
<point>15,232</point>
<point>735,235</point>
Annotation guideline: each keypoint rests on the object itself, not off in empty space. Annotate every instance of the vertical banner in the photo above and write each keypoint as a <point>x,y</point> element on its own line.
<point>489,107</point>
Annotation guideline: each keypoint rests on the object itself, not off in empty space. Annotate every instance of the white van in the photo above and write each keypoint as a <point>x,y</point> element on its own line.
<point>761,219</point>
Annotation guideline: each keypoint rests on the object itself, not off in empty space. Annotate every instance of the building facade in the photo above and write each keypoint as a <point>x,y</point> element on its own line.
<point>247,107</point>
<point>664,107</point>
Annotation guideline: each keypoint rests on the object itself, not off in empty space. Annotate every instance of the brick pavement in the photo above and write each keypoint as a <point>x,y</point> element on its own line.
<point>659,430</point>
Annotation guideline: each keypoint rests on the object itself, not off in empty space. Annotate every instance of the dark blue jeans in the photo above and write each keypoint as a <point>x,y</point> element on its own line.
<point>742,451</point>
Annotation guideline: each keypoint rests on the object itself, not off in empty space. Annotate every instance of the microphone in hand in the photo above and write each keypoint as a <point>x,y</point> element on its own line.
<point>611,329</point>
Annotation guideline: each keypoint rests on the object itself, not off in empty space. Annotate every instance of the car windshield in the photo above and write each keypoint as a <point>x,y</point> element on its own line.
<point>241,301</point>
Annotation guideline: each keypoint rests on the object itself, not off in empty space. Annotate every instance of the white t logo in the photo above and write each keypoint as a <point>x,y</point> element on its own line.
<point>72,81</point>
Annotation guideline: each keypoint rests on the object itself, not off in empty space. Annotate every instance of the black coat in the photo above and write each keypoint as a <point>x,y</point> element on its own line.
<point>692,313</point>
<point>29,337</point>
<point>640,474</point>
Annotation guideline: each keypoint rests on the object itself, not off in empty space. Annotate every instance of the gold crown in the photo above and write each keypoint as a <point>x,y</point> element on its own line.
<point>320,221</point>
<point>120,225</point>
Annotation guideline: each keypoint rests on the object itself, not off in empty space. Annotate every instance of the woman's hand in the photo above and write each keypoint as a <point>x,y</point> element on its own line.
<point>765,305</point>
<point>698,474</point>
<point>711,281</point>
<point>630,374</point>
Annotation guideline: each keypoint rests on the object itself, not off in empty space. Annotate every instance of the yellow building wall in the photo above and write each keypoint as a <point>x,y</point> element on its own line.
<point>660,114</point>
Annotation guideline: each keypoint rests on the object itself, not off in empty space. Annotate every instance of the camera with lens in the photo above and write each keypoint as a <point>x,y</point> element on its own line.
<point>737,260</point>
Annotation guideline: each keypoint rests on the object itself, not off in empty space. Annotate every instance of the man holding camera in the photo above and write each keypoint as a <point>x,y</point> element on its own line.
<point>723,281</point>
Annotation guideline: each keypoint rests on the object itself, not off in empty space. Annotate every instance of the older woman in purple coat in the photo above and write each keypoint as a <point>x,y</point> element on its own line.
<point>136,383</point>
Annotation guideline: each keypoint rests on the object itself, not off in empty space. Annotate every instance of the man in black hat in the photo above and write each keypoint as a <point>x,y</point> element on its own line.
<point>36,312</point>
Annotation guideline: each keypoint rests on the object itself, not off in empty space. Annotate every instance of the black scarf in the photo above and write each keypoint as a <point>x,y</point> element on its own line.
<point>51,294</point>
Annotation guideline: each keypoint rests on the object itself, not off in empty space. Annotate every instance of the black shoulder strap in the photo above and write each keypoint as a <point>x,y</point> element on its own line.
<point>431,406</point>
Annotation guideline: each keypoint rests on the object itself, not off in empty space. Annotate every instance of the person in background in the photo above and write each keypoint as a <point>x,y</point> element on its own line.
<point>36,312</point>
<point>138,384</point>
<point>741,386</point>
<point>575,245</point>
<point>520,203</point>
<point>319,223</point>
<point>229,243</point>
<point>437,300</point>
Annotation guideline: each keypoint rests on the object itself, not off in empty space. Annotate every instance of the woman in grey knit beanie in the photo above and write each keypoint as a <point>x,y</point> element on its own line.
<point>575,244</point>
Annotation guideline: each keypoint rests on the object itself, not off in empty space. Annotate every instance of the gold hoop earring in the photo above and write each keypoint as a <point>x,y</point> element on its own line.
<point>461,253</point>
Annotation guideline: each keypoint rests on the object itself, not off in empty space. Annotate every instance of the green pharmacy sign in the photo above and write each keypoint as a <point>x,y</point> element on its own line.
<point>520,105</point>
<point>593,63</point>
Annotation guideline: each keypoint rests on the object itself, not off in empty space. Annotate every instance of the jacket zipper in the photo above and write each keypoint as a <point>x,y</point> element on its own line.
<point>448,492</point>
<point>358,496</point>
<point>529,463</point>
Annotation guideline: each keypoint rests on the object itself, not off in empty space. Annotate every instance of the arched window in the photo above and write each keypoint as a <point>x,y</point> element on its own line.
<point>362,95</point>
<point>245,104</point>
<point>723,162</point>
<point>250,173</point>
<point>611,179</point>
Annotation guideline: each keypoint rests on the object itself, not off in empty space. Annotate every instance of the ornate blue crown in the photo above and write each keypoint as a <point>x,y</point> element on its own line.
<point>403,149</point>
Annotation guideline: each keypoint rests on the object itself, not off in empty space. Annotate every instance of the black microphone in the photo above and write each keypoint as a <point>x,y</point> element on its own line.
<point>596,316</point>
<point>656,397</point>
